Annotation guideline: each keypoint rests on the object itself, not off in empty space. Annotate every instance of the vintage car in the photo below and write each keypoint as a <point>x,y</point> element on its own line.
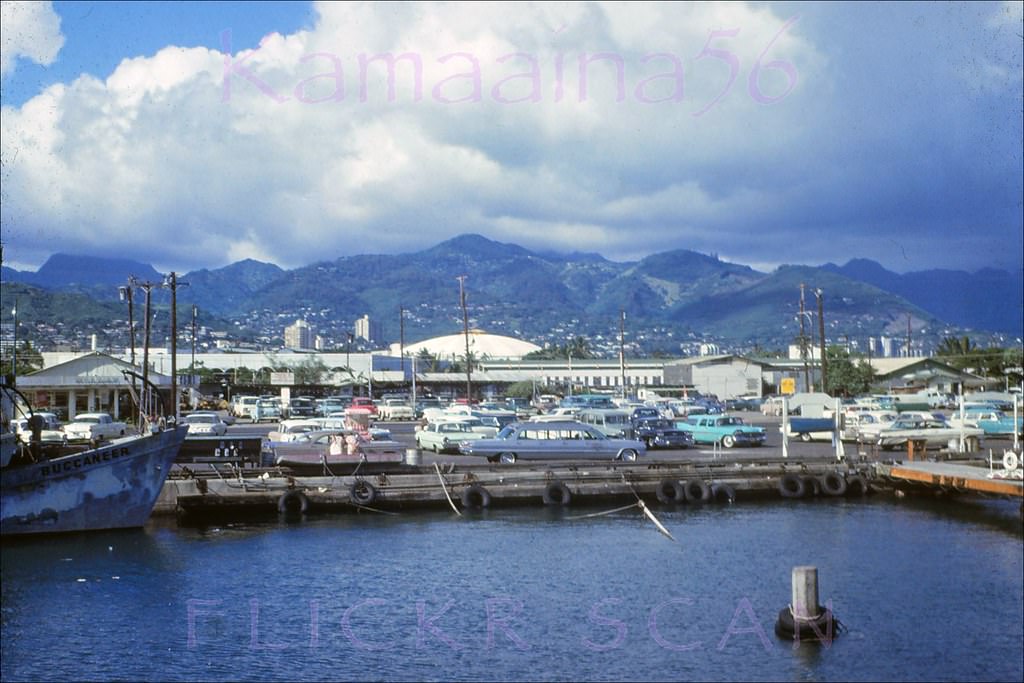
<point>94,427</point>
<point>657,432</point>
<point>865,425</point>
<point>728,430</point>
<point>992,422</point>
<point>932,433</point>
<point>445,437</point>
<point>205,424</point>
<point>334,447</point>
<point>301,406</point>
<point>569,440</point>
<point>556,415</point>
<point>50,433</point>
<point>290,430</point>
<point>394,409</point>
<point>365,403</point>
<point>266,410</point>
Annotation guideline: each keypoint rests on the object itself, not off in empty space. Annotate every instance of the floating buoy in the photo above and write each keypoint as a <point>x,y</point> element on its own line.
<point>670,491</point>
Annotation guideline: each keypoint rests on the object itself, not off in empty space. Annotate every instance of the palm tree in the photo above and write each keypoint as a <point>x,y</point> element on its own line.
<point>957,351</point>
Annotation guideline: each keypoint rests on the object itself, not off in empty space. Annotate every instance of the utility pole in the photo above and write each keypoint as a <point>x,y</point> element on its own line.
<point>147,287</point>
<point>401,338</point>
<point>803,341</point>
<point>14,349</point>
<point>171,282</point>
<point>622,349</point>
<point>195,310</point>
<point>126,294</point>
<point>465,329</point>
<point>821,333</point>
<point>908,335</point>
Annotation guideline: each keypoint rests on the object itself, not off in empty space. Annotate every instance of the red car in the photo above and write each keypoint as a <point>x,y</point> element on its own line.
<point>364,402</point>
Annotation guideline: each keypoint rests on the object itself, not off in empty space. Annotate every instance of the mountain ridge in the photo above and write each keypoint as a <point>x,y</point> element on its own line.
<point>523,292</point>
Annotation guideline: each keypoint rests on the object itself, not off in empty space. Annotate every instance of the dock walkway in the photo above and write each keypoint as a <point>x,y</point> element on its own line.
<point>945,476</point>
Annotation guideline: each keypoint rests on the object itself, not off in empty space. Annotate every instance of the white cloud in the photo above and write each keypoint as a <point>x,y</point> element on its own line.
<point>30,30</point>
<point>195,159</point>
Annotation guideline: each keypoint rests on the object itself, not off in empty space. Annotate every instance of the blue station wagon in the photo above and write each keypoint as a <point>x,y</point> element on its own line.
<point>553,441</point>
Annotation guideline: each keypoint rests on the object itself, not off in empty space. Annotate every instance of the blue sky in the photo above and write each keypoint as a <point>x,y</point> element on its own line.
<point>767,133</point>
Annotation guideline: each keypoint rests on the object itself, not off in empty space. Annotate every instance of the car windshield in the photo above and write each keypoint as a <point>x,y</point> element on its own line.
<point>196,419</point>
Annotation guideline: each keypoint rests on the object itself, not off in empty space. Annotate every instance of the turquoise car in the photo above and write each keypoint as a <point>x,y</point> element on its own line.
<point>725,429</point>
<point>992,422</point>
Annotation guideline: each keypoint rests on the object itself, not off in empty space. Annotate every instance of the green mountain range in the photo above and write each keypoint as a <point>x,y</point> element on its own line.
<point>675,295</point>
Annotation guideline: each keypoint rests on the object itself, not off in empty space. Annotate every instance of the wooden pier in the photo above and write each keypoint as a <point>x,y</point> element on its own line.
<point>950,478</point>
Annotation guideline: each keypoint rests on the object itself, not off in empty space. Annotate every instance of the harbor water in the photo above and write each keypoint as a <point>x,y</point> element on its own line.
<point>926,590</point>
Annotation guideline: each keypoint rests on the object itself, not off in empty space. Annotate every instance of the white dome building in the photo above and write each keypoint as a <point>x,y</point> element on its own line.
<point>481,345</point>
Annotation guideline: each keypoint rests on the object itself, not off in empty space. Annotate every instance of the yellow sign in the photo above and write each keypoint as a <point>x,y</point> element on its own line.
<point>788,385</point>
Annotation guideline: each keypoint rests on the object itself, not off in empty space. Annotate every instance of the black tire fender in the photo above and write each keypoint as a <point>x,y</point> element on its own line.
<point>293,503</point>
<point>362,493</point>
<point>857,485</point>
<point>812,487</point>
<point>476,496</point>
<point>670,491</point>
<point>557,493</point>
<point>792,486</point>
<point>697,491</point>
<point>833,483</point>
<point>723,492</point>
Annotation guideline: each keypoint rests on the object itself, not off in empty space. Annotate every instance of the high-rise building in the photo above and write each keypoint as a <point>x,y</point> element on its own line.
<point>370,331</point>
<point>299,335</point>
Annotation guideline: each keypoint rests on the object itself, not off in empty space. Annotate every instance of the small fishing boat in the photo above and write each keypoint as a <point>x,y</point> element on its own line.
<point>58,489</point>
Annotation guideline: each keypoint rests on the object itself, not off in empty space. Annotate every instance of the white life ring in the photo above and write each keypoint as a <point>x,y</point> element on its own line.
<point>1010,461</point>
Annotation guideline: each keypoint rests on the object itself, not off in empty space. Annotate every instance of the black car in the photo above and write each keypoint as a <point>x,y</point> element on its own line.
<point>657,432</point>
<point>302,406</point>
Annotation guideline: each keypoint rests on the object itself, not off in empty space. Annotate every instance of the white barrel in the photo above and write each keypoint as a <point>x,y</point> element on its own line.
<point>412,456</point>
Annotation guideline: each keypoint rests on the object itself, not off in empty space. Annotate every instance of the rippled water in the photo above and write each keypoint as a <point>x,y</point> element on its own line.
<point>927,592</point>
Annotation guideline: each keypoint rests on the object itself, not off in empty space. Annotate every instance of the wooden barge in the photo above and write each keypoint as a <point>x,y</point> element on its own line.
<point>232,490</point>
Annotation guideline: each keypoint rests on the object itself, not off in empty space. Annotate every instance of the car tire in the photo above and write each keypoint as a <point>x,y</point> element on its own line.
<point>628,455</point>
<point>507,458</point>
<point>728,441</point>
<point>805,436</point>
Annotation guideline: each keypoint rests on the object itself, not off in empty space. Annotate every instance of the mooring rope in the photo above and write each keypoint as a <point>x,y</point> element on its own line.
<point>601,514</point>
<point>445,489</point>
<point>643,507</point>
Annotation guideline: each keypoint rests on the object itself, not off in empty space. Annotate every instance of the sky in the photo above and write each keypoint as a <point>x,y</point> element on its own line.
<point>194,135</point>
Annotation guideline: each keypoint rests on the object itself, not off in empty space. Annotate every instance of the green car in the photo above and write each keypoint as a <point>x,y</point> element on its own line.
<point>445,437</point>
